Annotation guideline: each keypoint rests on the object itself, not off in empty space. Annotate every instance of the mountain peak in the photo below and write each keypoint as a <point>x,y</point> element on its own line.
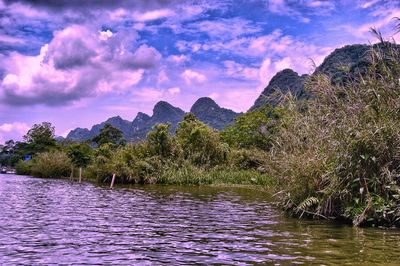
<point>165,112</point>
<point>114,119</point>
<point>208,111</point>
<point>284,81</point>
<point>141,117</point>
<point>204,104</point>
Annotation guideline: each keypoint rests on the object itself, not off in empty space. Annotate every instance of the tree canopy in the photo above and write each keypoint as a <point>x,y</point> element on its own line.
<point>40,138</point>
<point>110,134</point>
<point>80,154</point>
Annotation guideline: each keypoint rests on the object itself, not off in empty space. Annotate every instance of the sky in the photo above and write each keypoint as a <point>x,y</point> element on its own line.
<point>75,63</point>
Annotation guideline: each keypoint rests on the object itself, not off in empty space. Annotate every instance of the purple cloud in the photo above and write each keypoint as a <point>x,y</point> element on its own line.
<point>71,67</point>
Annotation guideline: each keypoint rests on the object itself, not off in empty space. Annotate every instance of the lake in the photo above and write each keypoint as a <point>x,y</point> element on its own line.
<point>47,222</point>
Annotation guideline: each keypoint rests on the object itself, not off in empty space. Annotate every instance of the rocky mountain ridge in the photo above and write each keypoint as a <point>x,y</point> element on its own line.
<point>206,109</point>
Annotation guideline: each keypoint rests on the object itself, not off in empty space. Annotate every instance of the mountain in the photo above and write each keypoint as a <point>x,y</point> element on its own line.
<point>83,134</point>
<point>79,134</point>
<point>208,111</point>
<point>163,112</point>
<point>342,58</point>
<point>342,65</point>
<point>284,81</point>
<point>205,109</point>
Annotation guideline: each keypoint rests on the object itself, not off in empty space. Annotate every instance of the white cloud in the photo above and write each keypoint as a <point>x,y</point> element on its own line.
<point>382,18</point>
<point>236,70</point>
<point>71,67</point>
<point>15,126</point>
<point>147,95</point>
<point>368,4</point>
<point>190,75</point>
<point>178,59</point>
<point>174,90</point>
<point>13,130</point>
<point>225,28</point>
<point>153,15</point>
<point>214,95</point>
<point>162,77</point>
<point>11,40</point>
<point>298,9</point>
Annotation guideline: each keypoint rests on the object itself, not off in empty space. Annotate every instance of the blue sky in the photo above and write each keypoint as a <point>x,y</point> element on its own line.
<point>75,63</point>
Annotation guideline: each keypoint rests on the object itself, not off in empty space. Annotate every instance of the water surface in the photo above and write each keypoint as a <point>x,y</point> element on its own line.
<point>60,222</point>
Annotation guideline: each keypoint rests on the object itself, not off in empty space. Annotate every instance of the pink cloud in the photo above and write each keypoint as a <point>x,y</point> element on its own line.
<point>13,130</point>
<point>190,76</point>
<point>70,67</point>
<point>153,14</point>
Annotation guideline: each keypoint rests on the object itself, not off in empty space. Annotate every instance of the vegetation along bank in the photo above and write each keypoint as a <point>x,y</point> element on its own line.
<point>327,144</point>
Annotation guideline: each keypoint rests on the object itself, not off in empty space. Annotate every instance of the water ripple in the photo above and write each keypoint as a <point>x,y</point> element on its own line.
<point>59,222</point>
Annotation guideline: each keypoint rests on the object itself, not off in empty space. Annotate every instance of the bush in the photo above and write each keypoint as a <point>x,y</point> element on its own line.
<point>54,164</point>
<point>248,159</point>
<point>188,174</point>
<point>100,167</point>
<point>200,144</point>
<point>23,167</point>
<point>253,129</point>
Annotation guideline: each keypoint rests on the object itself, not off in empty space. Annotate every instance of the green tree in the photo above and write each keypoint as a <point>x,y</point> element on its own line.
<point>110,134</point>
<point>11,152</point>
<point>80,155</point>
<point>9,146</point>
<point>200,143</point>
<point>40,138</point>
<point>101,166</point>
<point>253,129</point>
<point>160,141</point>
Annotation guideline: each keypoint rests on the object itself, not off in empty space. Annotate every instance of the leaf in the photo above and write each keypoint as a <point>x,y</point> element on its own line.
<point>308,202</point>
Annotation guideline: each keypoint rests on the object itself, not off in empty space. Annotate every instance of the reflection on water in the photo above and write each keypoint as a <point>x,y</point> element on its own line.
<point>58,222</point>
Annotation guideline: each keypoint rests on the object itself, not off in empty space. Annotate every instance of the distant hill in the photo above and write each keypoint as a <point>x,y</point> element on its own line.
<point>204,108</point>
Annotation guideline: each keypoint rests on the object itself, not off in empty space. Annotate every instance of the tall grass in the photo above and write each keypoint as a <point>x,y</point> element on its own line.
<point>189,174</point>
<point>54,164</point>
<point>337,155</point>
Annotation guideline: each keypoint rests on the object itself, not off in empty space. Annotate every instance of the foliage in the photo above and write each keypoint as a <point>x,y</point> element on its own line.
<point>339,156</point>
<point>200,144</point>
<point>100,166</point>
<point>53,164</point>
<point>188,174</point>
<point>248,159</point>
<point>23,167</point>
<point>160,141</point>
<point>80,154</point>
<point>12,152</point>
<point>40,138</point>
<point>253,129</point>
<point>110,134</point>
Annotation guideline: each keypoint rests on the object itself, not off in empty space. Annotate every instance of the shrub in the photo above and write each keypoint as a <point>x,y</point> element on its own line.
<point>200,144</point>
<point>23,167</point>
<point>248,159</point>
<point>253,129</point>
<point>54,164</point>
<point>100,167</point>
<point>160,141</point>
